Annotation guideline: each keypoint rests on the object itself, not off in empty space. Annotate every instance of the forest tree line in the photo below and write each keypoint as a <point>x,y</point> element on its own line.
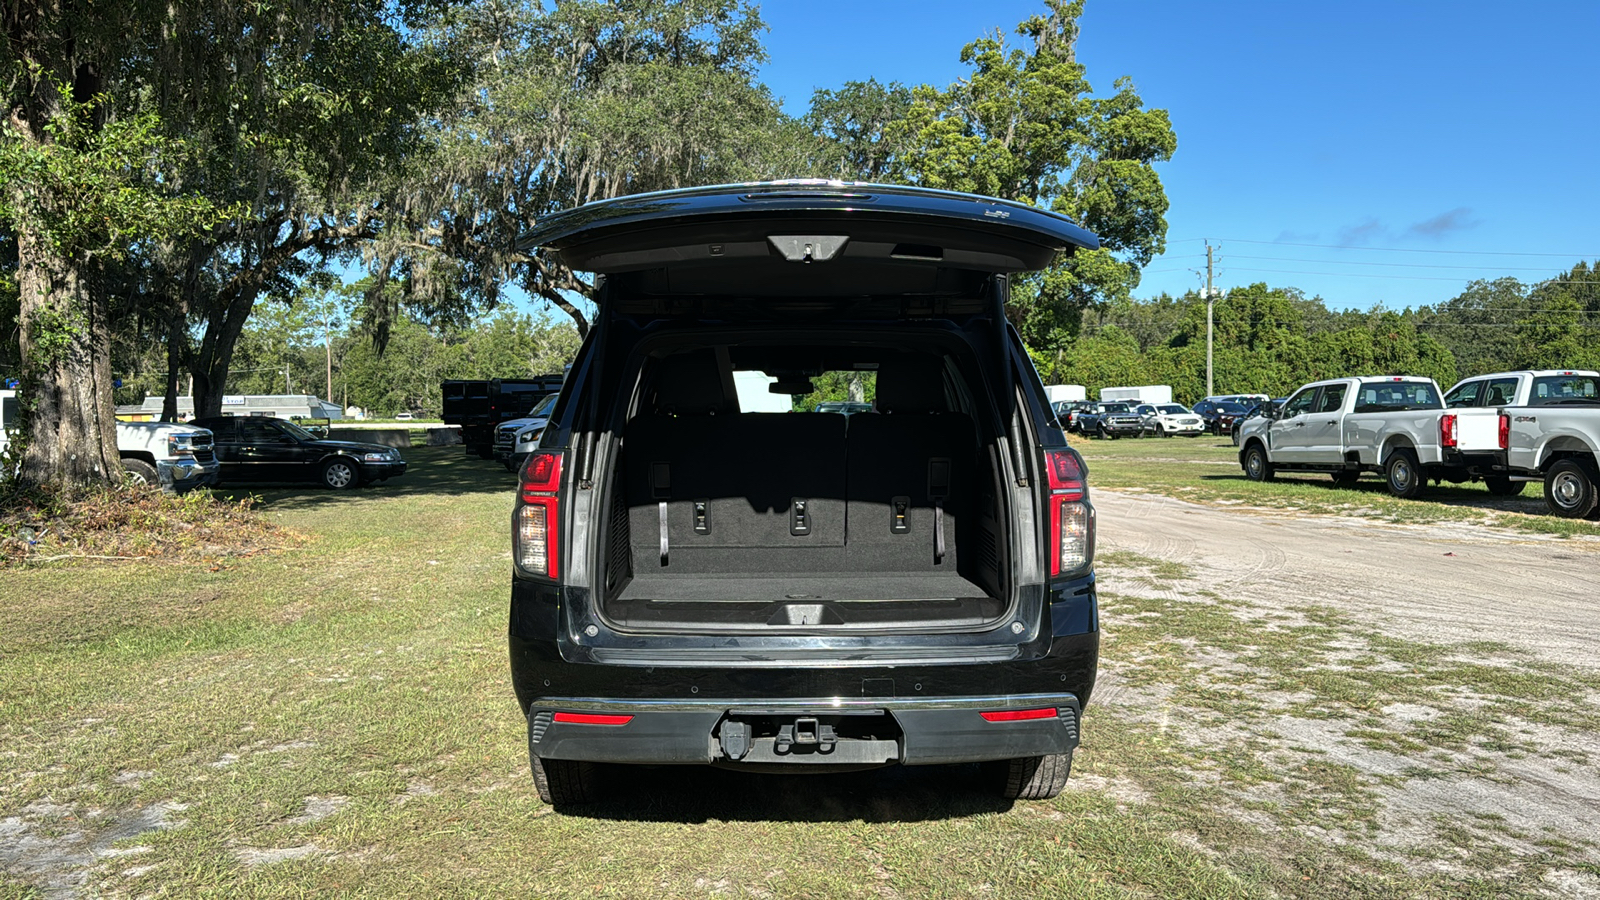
<point>1271,340</point>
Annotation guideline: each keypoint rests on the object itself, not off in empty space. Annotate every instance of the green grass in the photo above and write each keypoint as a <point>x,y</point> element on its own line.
<point>348,701</point>
<point>1206,470</point>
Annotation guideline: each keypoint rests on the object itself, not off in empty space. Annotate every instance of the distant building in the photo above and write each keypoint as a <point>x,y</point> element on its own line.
<point>282,406</point>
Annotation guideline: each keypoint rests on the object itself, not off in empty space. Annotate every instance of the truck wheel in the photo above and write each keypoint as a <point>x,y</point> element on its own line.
<point>1032,777</point>
<point>1502,486</point>
<point>1346,479</point>
<point>339,473</point>
<point>1405,474</point>
<point>1569,489</point>
<point>140,472</point>
<point>1256,465</point>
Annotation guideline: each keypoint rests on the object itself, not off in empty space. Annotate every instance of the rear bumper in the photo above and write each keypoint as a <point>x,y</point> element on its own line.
<point>931,688</point>
<point>911,731</point>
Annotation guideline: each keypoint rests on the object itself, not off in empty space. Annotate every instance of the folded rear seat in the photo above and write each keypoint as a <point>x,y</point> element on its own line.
<point>713,491</point>
<point>911,473</point>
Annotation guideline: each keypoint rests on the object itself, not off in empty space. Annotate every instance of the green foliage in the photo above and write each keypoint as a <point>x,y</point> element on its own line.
<point>1026,125</point>
<point>572,103</point>
<point>90,189</point>
<point>1262,344</point>
<point>836,386</point>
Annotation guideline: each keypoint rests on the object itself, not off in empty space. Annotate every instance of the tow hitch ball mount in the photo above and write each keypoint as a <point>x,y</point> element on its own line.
<point>804,732</point>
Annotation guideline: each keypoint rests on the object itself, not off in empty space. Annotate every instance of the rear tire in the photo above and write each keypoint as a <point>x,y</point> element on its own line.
<point>1404,474</point>
<point>1032,777</point>
<point>141,473</point>
<point>1501,486</point>
<point>1256,465</point>
<point>1569,489</point>
<point>566,782</point>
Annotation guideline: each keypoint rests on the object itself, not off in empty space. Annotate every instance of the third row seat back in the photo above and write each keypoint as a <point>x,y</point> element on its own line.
<point>700,478</point>
<point>911,471</point>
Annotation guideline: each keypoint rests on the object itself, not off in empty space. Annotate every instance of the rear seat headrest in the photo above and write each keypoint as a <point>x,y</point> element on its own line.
<point>911,384</point>
<point>689,384</point>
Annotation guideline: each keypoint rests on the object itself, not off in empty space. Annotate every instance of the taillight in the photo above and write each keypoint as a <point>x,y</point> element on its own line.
<point>1447,430</point>
<point>1505,432</point>
<point>1019,715</point>
<point>537,548</point>
<point>594,719</point>
<point>1071,518</point>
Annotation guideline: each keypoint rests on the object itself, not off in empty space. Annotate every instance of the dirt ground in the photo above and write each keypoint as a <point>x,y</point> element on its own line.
<point>1442,583</point>
<point>1453,587</point>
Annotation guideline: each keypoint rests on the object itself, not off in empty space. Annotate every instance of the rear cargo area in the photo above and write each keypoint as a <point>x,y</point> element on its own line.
<point>724,520</point>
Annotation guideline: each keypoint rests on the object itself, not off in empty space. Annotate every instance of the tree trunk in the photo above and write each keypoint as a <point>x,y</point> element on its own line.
<point>210,364</point>
<point>68,413</point>
<point>177,344</point>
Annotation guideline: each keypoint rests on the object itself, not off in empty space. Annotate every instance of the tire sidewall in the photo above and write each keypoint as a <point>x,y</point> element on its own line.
<point>332,479</point>
<point>1403,474</point>
<point>1568,477</point>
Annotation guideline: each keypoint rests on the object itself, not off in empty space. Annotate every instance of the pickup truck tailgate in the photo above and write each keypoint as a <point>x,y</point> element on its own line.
<point>1477,430</point>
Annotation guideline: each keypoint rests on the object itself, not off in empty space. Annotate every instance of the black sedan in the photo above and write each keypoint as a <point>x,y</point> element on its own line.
<point>262,448</point>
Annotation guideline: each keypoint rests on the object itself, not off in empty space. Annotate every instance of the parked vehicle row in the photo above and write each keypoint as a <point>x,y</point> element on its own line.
<point>1503,429</point>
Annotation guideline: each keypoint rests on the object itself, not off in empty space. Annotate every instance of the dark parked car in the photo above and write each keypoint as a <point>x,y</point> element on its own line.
<point>685,589</point>
<point>1267,408</point>
<point>1068,411</point>
<point>1111,420</point>
<point>262,448</point>
<point>1212,411</point>
<point>846,407</point>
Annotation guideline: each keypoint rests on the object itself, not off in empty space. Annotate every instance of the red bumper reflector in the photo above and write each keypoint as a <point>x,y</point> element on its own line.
<point>1017,715</point>
<point>595,719</point>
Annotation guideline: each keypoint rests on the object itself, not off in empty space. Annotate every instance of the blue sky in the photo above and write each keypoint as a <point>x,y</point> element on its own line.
<point>1418,145</point>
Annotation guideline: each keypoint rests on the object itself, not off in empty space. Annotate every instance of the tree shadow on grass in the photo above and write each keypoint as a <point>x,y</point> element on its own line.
<point>698,794</point>
<point>429,470</point>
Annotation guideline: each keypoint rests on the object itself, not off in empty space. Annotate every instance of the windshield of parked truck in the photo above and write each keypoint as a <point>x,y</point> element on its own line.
<point>1114,408</point>
<point>1391,396</point>
<point>1568,390</point>
<point>1172,409</point>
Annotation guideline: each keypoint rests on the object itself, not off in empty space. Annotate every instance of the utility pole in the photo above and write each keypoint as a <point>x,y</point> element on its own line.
<point>1210,300</point>
<point>327,345</point>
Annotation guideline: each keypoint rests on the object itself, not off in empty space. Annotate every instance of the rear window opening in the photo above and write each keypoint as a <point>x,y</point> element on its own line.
<point>805,488</point>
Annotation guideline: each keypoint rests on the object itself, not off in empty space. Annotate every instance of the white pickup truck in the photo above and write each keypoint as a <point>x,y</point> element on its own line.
<point>1477,434</point>
<point>174,456</point>
<point>1347,426</point>
<point>1532,425</point>
<point>169,454</point>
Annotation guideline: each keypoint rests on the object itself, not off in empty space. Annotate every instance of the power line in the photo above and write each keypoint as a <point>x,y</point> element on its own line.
<point>1403,277</point>
<point>1362,262</point>
<point>1589,255</point>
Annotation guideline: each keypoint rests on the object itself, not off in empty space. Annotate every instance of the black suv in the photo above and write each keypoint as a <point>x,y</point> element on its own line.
<point>698,584</point>
<point>264,448</point>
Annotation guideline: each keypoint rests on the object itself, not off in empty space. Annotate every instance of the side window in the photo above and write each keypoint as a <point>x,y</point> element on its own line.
<point>1300,403</point>
<point>257,431</point>
<point>1332,398</point>
<point>1500,392</point>
<point>1465,394</point>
